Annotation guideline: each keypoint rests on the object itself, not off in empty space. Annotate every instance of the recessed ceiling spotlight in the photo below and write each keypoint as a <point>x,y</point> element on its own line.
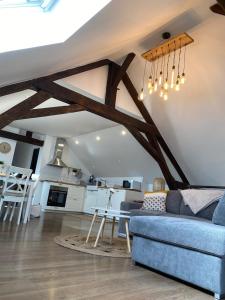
<point>77,142</point>
<point>123,132</point>
<point>98,138</point>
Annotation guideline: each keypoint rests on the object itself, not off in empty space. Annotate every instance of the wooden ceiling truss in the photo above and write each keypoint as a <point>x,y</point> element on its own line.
<point>144,131</point>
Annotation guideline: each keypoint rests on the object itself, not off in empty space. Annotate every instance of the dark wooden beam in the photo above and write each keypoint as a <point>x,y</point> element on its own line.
<point>51,111</point>
<point>21,138</point>
<point>134,95</point>
<point>20,86</point>
<point>29,134</point>
<point>63,94</point>
<point>152,151</point>
<point>15,88</point>
<point>123,69</point>
<point>22,108</point>
<point>110,95</point>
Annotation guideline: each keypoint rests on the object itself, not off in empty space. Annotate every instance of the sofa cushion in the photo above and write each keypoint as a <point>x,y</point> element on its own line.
<point>173,202</point>
<point>206,213</point>
<point>219,213</point>
<point>155,201</point>
<point>201,236</point>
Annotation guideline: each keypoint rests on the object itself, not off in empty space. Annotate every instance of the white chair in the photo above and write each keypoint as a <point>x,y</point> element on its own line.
<point>14,190</point>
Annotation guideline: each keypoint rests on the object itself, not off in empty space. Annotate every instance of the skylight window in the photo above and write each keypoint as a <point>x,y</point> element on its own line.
<point>34,23</point>
<point>46,5</point>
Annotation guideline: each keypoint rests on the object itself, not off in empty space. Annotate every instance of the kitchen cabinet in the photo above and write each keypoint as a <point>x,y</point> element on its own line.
<point>74,199</point>
<point>100,196</point>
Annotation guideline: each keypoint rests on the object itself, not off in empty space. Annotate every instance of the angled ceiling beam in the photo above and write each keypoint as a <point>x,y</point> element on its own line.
<point>63,94</point>
<point>21,138</point>
<point>152,151</point>
<point>123,69</point>
<point>22,108</point>
<point>143,110</point>
<point>110,94</point>
<point>20,86</point>
<point>115,75</point>
<point>51,111</point>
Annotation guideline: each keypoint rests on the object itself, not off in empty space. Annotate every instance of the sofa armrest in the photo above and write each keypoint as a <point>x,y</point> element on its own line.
<point>128,205</point>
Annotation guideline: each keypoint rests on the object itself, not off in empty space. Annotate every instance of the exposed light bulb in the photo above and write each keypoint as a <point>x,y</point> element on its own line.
<point>183,78</point>
<point>150,90</point>
<point>160,77</point>
<point>149,82</point>
<point>165,96</point>
<point>141,96</point>
<point>156,85</point>
<point>123,132</point>
<point>177,87</point>
<point>98,138</point>
<point>166,85</point>
<point>161,92</point>
<point>77,142</point>
<point>172,77</point>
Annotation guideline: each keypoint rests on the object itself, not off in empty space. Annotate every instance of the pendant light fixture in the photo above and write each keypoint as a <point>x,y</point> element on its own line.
<point>162,72</point>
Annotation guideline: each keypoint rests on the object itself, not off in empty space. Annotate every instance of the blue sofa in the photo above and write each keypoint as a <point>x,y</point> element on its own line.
<point>179,243</point>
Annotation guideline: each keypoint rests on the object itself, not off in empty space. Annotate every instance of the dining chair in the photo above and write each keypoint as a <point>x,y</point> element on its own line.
<point>14,190</point>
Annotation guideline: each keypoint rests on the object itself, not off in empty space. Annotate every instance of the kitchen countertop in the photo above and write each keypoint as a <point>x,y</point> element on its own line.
<point>116,188</point>
<point>62,182</point>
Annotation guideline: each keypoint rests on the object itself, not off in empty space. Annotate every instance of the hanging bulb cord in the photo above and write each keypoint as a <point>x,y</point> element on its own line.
<point>151,66</point>
<point>143,81</point>
<point>184,58</point>
<point>161,68</point>
<point>168,60</point>
<point>174,54</point>
<point>157,65</point>
<point>178,74</point>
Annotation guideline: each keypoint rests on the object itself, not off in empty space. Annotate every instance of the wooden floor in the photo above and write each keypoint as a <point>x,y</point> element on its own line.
<point>33,267</point>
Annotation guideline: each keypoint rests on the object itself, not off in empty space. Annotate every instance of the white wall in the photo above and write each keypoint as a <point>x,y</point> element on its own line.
<point>115,155</point>
<point>7,158</point>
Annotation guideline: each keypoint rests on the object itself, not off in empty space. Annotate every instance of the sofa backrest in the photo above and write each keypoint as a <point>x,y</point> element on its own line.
<point>175,205</point>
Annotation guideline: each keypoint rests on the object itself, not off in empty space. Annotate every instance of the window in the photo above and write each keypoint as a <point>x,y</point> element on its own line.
<point>34,23</point>
<point>45,5</point>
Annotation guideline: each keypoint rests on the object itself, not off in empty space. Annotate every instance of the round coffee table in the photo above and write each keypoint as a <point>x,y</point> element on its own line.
<point>110,214</point>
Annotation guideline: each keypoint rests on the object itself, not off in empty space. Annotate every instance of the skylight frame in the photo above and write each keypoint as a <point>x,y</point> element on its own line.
<point>46,5</point>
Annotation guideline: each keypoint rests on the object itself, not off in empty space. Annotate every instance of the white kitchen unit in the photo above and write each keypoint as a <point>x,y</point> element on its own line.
<point>100,197</point>
<point>74,198</point>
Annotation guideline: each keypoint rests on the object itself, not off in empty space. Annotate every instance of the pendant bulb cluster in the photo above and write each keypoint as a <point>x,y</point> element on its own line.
<point>167,70</point>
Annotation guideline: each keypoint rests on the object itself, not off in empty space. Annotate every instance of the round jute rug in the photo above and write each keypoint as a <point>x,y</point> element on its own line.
<point>118,248</point>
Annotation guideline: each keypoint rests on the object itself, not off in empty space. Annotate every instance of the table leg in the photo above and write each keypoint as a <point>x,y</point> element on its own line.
<point>92,224</point>
<point>100,230</point>
<point>127,236</point>
<point>113,226</point>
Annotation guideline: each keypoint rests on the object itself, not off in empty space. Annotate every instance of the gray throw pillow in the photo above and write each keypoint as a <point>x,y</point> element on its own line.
<point>219,213</point>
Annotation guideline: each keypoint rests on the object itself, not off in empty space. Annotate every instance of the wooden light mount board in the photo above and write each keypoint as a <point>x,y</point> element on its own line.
<point>170,45</point>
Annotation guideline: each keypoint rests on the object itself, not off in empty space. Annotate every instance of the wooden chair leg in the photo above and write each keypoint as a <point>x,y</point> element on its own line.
<point>12,212</point>
<point>92,224</point>
<point>100,230</point>
<point>20,213</point>
<point>7,212</point>
<point>127,236</point>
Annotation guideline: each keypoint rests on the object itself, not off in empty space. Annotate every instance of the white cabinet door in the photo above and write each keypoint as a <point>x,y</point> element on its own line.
<point>75,198</point>
<point>102,197</point>
<point>117,198</point>
<point>90,200</point>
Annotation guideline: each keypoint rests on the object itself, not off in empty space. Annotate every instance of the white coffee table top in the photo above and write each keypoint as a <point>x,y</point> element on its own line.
<point>109,211</point>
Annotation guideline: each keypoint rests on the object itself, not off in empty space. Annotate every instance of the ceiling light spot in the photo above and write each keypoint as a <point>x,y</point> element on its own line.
<point>123,132</point>
<point>77,142</point>
<point>98,138</point>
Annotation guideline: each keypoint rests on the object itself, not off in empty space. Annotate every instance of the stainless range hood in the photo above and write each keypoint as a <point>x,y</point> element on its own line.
<point>57,157</point>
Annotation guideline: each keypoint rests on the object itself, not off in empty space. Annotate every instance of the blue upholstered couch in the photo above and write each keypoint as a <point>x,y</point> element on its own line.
<point>179,243</point>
